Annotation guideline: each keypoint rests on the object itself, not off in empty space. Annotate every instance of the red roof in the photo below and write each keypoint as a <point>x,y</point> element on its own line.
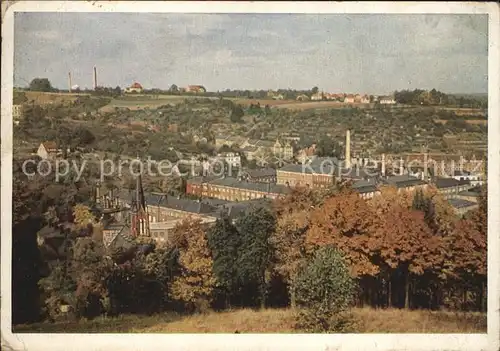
<point>136,86</point>
<point>49,145</point>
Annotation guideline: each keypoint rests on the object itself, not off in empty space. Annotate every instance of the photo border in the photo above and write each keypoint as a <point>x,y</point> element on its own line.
<point>489,341</point>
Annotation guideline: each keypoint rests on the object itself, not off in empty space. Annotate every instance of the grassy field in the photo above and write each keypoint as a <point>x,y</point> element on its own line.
<point>368,320</point>
<point>44,98</point>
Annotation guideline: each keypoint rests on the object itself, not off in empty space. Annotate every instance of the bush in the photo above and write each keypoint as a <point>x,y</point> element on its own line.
<point>324,292</point>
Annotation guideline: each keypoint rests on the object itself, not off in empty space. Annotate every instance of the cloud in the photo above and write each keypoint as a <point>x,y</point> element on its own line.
<point>366,53</point>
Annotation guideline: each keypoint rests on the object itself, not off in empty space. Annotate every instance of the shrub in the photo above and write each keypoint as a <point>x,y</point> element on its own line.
<point>324,292</point>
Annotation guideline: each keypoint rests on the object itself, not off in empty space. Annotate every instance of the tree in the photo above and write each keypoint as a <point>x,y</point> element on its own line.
<point>195,284</point>
<point>314,90</point>
<point>237,114</point>
<point>254,261</point>
<point>325,292</point>
<point>404,246</point>
<point>224,241</point>
<point>345,221</point>
<point>82,215</point>
<point>173,89</point>
<point>41,84</point>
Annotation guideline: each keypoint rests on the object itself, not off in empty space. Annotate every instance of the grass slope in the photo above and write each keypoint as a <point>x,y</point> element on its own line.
<point>369,320</point>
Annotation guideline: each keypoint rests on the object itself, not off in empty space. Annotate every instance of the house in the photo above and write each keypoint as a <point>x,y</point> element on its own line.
<point>349,99</point>
<point>196,89</point>
<point>386,100</point>
<point>366,188</point>
<point>474,179</point>
<point>303,97</point>
<point>284,151</point>
<point>365,99</point>
<point>318,96</point>
<point>17,112</point>
<point>231,158</point>
<point>47,150</point>
<point>261,175</point>
<point>450,187</point>
<point>462,206</point>
<point>134,88</point>
<point>251,152</point>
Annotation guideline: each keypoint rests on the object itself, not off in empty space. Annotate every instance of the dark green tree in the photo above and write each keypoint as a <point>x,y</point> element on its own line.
<point>41,84</point>
<point>237,114</point>
<point>254,261</point>
<point>224,242</point>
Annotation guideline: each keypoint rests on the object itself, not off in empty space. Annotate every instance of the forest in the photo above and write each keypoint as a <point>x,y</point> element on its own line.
<point>321,252</point>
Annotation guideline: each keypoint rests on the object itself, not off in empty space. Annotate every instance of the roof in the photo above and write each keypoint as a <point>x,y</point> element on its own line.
<point>459,203</point>
<point>136,85</point>
<point>49,145</point>
<point>442,183</point>
<point>469,193</point>
<point>461,173</point>
<point>261,172</point>
<point>365,186</point>
<point>196,87</point>
<point>266,188</point>
<point>403,181</point>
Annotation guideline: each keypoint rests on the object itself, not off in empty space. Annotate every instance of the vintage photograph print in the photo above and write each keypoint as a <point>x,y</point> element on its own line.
<point>197,170</point>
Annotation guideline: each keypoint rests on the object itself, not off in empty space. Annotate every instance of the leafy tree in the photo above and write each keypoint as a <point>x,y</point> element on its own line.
<point>195,284</point>
<point>41,84</point>
<point>254,261</point>
<point>314,90</point>
<point>224,241</point>
<point>237,114</point>
<point>325,292</point>
<point>82,215</point>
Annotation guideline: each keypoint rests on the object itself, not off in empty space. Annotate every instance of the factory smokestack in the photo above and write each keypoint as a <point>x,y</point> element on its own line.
<point>348,149</point>
<point>95,77</point>
<point>69,82</point>
<point>383,165</point>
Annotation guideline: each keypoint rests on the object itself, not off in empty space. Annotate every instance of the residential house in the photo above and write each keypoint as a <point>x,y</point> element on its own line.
<point>231,158</point>
<point>349,99</point>
<point>365,99</point>
<point>366,188</point>
<point>134,88</point>
<point>303,97</point>
<point>474,179</point>
<point>317,97</point>
<point>47,150</point>
<point>196,89</point>
<point>386,100</point>
<point>283,150</point>
<point>17,112</point>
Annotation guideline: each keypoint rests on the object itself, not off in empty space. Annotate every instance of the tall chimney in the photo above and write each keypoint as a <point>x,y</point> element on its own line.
<point>401,169</point>
<point>426,161</point>
<point>95,77</point>
<point>348,149</point>
<point>383,165</point>
<point>69,82</point>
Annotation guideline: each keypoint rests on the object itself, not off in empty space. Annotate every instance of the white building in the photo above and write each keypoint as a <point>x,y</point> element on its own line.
<point>475,179</point>
<point>134,88</point>
<point>231,158</point>
<point>387,100</point>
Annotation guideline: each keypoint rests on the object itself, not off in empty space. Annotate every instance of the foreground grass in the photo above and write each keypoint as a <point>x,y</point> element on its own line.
<point>368,320</point>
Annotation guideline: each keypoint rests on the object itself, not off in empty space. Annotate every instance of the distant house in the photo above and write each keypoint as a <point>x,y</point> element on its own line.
<point>365,99</point>
<point>47,150</point>
<point>302,97</point>
<point>17,112</point>
<point>134,88</point>
<point>387,100</point>
<point>462,206</point>
<point>318,96</point>
<point>196,89</point>
<point>349,99</point>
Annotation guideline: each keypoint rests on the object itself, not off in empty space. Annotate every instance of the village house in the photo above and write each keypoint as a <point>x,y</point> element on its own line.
<point>349,99</point>
<point>195,89</point>
<point>134,88</point>
<point>231,158</point>
<point>462,206</point>
<point>317,97</point>
<point>386,100</point>
<point>283,150</point>
<point>47,150</point>
<point>303,97</point>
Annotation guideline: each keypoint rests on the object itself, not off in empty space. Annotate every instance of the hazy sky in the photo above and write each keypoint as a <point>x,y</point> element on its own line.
<point>372,54</point>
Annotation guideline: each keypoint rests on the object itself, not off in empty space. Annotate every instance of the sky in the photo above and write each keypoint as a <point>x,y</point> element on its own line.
<point>372,54</point>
